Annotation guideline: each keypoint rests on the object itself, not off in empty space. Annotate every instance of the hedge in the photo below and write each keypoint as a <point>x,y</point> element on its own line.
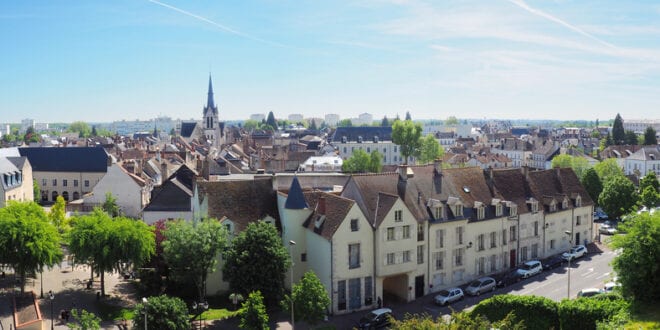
<point>586,313</point>
<point>536,312</point>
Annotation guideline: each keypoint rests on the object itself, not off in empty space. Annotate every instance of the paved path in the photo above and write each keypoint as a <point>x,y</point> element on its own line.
<point>69,288</point>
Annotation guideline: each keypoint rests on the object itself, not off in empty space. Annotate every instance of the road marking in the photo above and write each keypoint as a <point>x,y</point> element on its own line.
<point>589,271</point>
<point>604,275</point>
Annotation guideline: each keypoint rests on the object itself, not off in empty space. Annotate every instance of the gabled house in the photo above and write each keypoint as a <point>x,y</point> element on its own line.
<point>172,199</point>
<point>645,160</point>
<point>131,192</point>
<point>16,176</point>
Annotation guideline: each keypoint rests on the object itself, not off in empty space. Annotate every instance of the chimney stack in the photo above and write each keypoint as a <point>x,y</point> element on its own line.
<point>437,166</point>
<point>320,208</point>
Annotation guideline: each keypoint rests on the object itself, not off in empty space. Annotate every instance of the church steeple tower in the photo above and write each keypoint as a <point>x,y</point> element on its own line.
<point>210,104</point>
<point>210,110</point>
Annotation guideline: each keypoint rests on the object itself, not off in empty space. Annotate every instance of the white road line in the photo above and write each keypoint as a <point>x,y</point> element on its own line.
<point>589,271</point>
<point>604,275</point>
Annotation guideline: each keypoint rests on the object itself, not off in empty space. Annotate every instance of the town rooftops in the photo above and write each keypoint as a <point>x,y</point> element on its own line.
<point>75,159</point>
<point>362,133</point>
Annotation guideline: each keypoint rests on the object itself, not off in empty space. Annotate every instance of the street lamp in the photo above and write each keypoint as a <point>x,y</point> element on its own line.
<point>144,302</point>
<point>291,244</point>
<point>570,242</point>
<point>200,308</point>
<point>51,296</point>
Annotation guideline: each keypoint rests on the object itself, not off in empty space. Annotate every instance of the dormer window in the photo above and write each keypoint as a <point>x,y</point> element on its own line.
<point>458,210</point>
<point>564,204</point>
<point>553,206</point>
<point>481,210</point>
<point>437,212</point>
<point>578,201</point>
<point>513,210</point>
<point>534,206</point>
<point>498,210</point>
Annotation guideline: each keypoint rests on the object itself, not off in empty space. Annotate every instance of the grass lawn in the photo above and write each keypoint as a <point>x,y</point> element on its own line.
<point>645,317</point>
<point>217,314</point>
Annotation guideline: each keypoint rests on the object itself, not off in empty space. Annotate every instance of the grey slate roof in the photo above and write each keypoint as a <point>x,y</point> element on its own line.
<point>187,128</point>
<point>77,159</point>
<point>175,193</point>
<point>295,200</point>
<point>367,133</point>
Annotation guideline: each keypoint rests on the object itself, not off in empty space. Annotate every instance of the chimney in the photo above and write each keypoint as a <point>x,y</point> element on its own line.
<point>437,166</point>
<point>525,171</point>
<point>320,207</point>
<point>403,172</point>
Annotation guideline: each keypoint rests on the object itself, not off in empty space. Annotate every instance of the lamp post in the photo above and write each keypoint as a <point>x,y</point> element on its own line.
<point>568,272</point>
<point>200,308</point>
<point>291,244</point>
<point>144,302</point>
<point>51,296</point>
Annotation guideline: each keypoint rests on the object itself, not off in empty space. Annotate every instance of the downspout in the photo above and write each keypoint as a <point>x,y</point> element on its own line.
<point>376,254</point>
<point>428,254</point>
<point>332,280</point>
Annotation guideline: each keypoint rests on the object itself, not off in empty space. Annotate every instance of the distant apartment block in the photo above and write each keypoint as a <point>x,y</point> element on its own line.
<point>639,125</point>
<point>332,119</point>
<point>364,119</point>
<point>257,117</point>
<point>296,117</point>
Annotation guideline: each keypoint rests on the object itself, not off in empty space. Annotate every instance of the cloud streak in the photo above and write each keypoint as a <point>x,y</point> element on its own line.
<point>217,25</point>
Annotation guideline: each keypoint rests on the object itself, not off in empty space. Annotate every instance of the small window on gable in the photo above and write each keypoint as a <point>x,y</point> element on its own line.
<point>564,204</point>
<point>354,225</point>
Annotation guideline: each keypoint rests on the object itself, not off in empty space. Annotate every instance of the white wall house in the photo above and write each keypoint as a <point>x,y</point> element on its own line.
<point>130,192</point>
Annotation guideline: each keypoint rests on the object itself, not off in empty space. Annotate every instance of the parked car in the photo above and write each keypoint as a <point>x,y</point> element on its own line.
<point>508,278</point>
<point>610,286</point>
<point>600,215</point>
<point>552,262</point>
<point>377,318</point>
<point>590,292</point>
<point>577,251</point>
<point>448,296</point>
<point>607,228</point>
<point>530,268</point>
<point>478,286</point>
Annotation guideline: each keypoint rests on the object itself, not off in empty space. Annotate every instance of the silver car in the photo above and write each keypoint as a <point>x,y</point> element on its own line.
<point>530,268</point>
<point>448,296</point>
<point>478,286</point>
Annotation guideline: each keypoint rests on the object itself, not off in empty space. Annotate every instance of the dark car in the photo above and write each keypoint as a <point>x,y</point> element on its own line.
<point>509,278</point>
<point>378,318</point>
<point>552,262</point>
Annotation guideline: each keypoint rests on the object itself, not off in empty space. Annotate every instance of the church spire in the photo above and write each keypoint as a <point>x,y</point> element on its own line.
<point>209,102</point>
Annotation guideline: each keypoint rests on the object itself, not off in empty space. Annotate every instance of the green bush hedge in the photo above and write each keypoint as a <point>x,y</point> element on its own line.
<point>536,312</point>
<point>586,313</point>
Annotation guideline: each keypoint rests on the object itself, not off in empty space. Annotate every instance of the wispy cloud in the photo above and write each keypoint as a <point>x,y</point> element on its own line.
<point>218,25</point>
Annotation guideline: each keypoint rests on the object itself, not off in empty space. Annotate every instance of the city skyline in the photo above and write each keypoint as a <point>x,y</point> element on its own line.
<point>101,62</point>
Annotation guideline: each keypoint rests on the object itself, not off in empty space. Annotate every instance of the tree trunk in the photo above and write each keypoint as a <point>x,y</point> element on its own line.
<point>102,284</point>
<point>23,276</point>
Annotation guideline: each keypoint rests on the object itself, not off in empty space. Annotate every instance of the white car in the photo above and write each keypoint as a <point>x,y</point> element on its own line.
<point>577,251</point>
<point>445,297</point>
<point>530,268</point>
<point>478,286</point>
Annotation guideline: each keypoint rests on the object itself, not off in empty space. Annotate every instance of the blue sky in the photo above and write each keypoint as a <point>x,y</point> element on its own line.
<point>63,61</point>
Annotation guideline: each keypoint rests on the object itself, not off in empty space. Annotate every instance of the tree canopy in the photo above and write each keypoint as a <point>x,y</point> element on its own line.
<point>385,122</point>
<point>618,133</point>
<point>310,299</point>
<point>191,250</point>
<point>430,149</point>
<point>270,121</point>
<point>578,164</point>
<point>162,312</point>
<point>28,241</point>
<point>607,169</point>
<point>451,121</point>
<point>80,127</point>
<point>253,313</point>
<point>637,265</point>
<point>631,138</point>
<point>649,137</point>
<point>649,197</point>
<point>407,135</point>
<point>345,123</point>
<point>57,215</point>
<point>361,162</point>
<point>592,184</point>
<point>649,180</point>
<point>265,273</point>
<point>618,197</point>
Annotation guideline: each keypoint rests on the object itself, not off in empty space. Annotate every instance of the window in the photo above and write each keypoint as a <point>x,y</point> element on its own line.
<point>398,215</point>
<point>458,257</point>
<point>577,220</point>
<point>493,263</point>
<point>406,232</point>
<point>578,199</point>
<point>44,182</point>
<point>535,251</point>
<point>480,242</point>
<point>536,228</point>
<point>439,238</point>
<point>54,182</point>
<point>535,206</point>
<point>459,235</point>
<point>390,258</point>
<point>512,233</point>
<point>406,256</point>
<point>437,212</point>
<point>504,237</point>
<point>390,233</point>
<point>354,224</point>
<point>481,266</point>
<point>75,183</point>
<point>420,232</point>
<point>552,244</point>
<point>523,253</point>
<point>458,210</point>
<point>86,183</point>
<point>65,183</point>
<point>439,260</point>
<point>420,254</point>
<point>498,210</point>
<point>368,291</point>
<point>481,212</point>
<point>564,204</point>
<point>493,239</point>
<point>513,210</point>
<point>341,295</point>
<point>303,257</point>
<point>354,256</point>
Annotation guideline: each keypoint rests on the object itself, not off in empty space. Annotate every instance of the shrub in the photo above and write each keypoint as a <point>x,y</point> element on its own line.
<point>586,313</point>
<point>534,311</point>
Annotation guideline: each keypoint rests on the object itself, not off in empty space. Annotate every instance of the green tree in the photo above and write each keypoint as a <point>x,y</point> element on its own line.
<point>407,135</point>
<point>253,313</point>
<point>637,265</point>
<point>536,312</point>
<point>172,132</point>
<point>456,321</point>
<point>587,313</point>
<point>162,312</point>
<point>313,126</point>
<point>578,164</point>
<point>649,197</point>
<point>31,135</point>
<point>57,215</point>
<point>84,320</point>
<point>271,120</point>
<point>345,123</point>
<point>618,133</point>
<point>357,163</point>
<point>191,250</point>
<point>94,133</point>
<point>246,273</point>
<point>631,138</point>
<point>81,128</point>
<point>607,169</point>
<point>649,180</point>
<point>430,149</point>
<point>110,205</point>
<point>250,125</point>
<point>310,300</point>
<point>385,122</point>
<point>592,184</point>
<point>28,241</point>
<point>649,137</point>
<point>451,121</point>
<point>375,162</point>
<point>618,197</point>
<point>106,243</point>
<point>408,117</point>
<point>36,191</point>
